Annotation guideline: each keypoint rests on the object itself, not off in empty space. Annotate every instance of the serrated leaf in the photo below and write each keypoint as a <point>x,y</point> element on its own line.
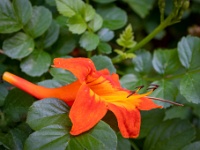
<point>124,55</point>
<point>3,94</point>
<point>165,61</point>
<point>47,112</point>
<point>142,62</point>
<point>194,145</point>
<point>62,75</point>
<point>171,134</point>
<point>77,24</point>
<point>177,112</point>
<point>141,7</point>
<point>114,17</point>
<point>69,8</point>
<point>89,13</point>
<point>189,52</point>
<point>104,48</point>
<point>150,119</point>
<point>126,39</point>
<point>16,105</point>
<point>166,90</point>
<point>102,62</point>
<point>9,21</point>
<point>89,41</point>
<point>189,87</point>
<point>36,64</point>
<point>96,23</point>
<point>18,46</point>
<point>105,34</point>
<point>51,35</point>
<point>39,22</point>
<point>23,13</point>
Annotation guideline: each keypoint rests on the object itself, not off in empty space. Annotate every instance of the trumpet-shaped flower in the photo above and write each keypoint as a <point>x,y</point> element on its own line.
<point>91,96</point>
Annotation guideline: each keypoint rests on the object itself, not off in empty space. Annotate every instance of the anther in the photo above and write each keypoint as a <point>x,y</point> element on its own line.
<point>154,87</point>
<point>133,92</point>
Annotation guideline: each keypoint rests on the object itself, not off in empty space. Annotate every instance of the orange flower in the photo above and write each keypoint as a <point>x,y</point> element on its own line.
<point>93,94</point>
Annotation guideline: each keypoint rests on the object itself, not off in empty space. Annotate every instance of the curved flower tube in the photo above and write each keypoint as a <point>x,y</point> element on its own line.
<point>94,93</point>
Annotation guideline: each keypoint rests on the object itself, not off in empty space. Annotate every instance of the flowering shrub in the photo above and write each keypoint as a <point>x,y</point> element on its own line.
<point>95,74</point>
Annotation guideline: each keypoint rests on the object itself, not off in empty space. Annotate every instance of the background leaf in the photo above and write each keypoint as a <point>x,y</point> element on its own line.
<point>104,48</point>
<point>39,22</point>
<point>114,17</point>
<point>105,34</point>
<point>36,64</point>
<point>18,46</point>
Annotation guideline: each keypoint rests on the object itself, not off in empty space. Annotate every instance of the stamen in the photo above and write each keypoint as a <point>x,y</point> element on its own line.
<point>154,87</point>
<point>133,92</point>
<point>166,101</point>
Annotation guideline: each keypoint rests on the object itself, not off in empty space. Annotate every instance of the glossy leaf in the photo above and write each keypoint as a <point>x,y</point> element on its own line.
<point>77,24</point>
<point>150,119</point>
<point>189,87</point>
<point>50,83</point>
<point>18,46</point>
<point>141,7</point>
<point>166,90</point>
<point>39,22</point>
<point>142,62</point>
<point>23,13</point>
<point>189,52</point>
<point>172,134</point>
<point>69,8</point>
<point>113,16</point>
<point>105,34</point>
<point>48,112</point>
<point>16,105</point>
<point>96,23</point>
<point>36,64</point>
<point>89,41</point>
<point>102,62</point>
<point>104,48</point>
<point>9,22</point>
<point>129,81</point>
<point>165,61</point>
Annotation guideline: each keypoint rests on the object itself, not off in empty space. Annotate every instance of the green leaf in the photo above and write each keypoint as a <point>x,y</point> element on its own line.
<point>23,13</point>
<point>129,81</point>
<point>142,62</point>
<point>96,23</point>
<point>89,13</point>
<point>150,119</point>
<point>189,87</point>
<point>102,62</point>
<point>122,143</point>
<point>69,8</point>
<point>104,48</point>
<point>16,105</point>
<point>167,90</point>
<point>142,7</point>
<point>50,83</point>
<point>194,145</point>
<point>126,39</point>
<point>51,35</point>
<point>189,52</point>
<point>105,34</point>
<point>62,75</point>
<point>36,64</point>
<point>114,17</point>
<point>124,55</point>
<point>3,94</point>
<point>18,46</point>
<point>47,112</point>
<point>104,1</point>
<point>9,21</point>
<point>172,134</point>
<point>50,118</point>
<point>89,41</point>
<point>40,21</point>
<point>77,24</point>
<point>177,112</point>
<point>165,61</point>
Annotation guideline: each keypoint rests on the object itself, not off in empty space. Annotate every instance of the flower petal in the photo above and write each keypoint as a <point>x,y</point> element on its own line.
<point>80,67</point>
<point>147,104</point>
<point>128,120</point>
<point>87,110</point>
